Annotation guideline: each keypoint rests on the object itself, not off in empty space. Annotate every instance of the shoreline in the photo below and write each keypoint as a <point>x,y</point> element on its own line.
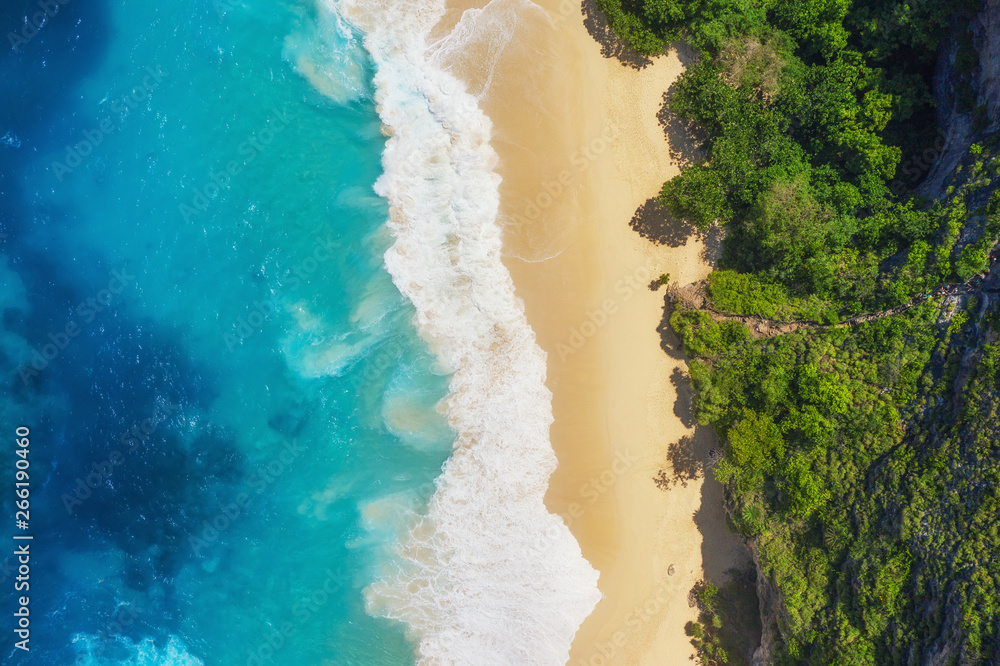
<point>580,151</point>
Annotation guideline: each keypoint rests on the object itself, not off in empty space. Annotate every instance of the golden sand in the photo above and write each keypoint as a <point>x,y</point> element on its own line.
<point>581,149</point>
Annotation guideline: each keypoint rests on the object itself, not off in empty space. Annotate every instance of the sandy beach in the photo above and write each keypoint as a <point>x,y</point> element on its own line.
<point>581,149</point>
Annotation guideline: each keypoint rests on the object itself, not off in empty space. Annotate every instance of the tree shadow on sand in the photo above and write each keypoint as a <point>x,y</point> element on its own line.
<point>688,459</point>
<point>692,457</point>
<point>611,46</point>
<point>654,222</point>
<point>684,405</point>
<point>682,465</point>
<point>685,143</point>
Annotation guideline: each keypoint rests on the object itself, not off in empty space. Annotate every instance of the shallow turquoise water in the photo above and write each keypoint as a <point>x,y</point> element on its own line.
<point>249,328</point>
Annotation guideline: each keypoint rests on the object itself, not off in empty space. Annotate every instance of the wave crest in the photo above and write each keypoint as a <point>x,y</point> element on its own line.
<point>488,575</point>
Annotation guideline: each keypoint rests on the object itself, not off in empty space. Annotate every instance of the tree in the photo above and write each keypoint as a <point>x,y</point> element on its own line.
<point>823,390</point>
<point>755,445</point>
<point>696,195</point>
<point>973,260</point>
<point>803,489</point>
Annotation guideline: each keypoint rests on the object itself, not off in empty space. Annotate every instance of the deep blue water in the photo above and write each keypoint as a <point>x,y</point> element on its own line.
<point>222,384</point>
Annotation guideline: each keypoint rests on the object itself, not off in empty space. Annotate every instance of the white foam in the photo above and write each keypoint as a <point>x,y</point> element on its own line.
<point>312,350</point>
<point>412,412</point>
<point>488,575</point>
<point>324,51</point>
<point>478,41</point>
<point>90,652</point>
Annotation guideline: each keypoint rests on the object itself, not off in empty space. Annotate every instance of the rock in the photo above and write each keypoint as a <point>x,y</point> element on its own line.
<point>770,605</point>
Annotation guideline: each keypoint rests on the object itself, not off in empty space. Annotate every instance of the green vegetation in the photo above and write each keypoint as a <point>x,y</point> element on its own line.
<point>808,113</point>
<point>746,294</point>
<point>752,294</point>
<point>705,632</point>
<point>862,463</point>
<point>809,109</point>
<point>728,626</point>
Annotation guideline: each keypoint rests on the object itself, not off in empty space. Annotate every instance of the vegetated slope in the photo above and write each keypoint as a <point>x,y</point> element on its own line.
<point>861,462</point>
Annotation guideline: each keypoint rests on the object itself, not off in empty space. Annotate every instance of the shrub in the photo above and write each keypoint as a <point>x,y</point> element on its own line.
<point>746,294</point>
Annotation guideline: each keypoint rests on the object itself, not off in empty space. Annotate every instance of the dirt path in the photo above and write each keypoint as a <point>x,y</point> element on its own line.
<point>695,297</point>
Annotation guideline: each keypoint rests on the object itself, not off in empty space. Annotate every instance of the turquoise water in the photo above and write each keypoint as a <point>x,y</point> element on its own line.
<point>243,383</point>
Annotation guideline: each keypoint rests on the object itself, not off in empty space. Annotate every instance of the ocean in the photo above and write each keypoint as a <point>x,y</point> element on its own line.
<point>284,405</point>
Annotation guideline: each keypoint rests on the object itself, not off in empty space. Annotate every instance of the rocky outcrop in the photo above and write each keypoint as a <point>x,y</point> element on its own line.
<point>958,127</point>
<point>986,29</point>
<point>770,606</point>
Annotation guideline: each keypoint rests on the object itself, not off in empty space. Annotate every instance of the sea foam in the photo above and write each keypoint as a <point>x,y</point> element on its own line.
<point>487,575</point>
<point>92,651</point>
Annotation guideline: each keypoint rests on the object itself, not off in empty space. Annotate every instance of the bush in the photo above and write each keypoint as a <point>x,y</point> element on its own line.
<point>973,260</point>
<point>746,294</point>
<point>698,195</point>
<point>694,629</point>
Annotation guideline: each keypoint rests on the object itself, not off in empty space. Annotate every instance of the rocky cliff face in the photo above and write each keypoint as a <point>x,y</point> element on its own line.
<point>986,29</point>
<point>959,127</point>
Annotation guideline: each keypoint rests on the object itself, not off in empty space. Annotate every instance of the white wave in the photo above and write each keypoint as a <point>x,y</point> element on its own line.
<point>488,575</point>
<point>325,52</point>
<point>91,651</point>
<point>478,41</point>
